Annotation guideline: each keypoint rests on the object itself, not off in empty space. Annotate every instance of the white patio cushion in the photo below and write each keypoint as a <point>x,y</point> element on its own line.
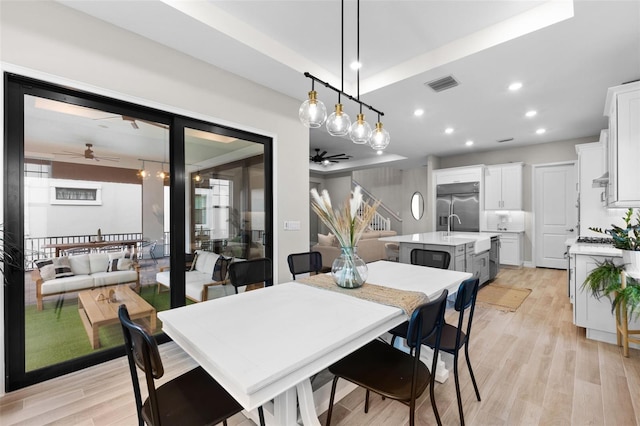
<point>80,264</point>
<point>195,281</point>
<point>116,277</point>
<point>62,285</point>
<point>99,262</point>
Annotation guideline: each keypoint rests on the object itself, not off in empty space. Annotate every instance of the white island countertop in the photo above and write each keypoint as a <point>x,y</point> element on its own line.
<point>481,240</point>
<point>440,238</point>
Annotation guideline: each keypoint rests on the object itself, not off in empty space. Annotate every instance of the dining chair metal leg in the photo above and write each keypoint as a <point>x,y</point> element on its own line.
<point>261,416</point>
<point>432,397</point>
<point>366,402</point>
<point>333,394</point>
<point>457,382</point>
<point>473,378</point>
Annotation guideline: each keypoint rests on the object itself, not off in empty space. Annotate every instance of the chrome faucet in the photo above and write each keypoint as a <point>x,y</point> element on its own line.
<point>449,222</point>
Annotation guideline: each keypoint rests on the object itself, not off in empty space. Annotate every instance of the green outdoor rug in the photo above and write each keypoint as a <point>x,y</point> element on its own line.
<point>54,336</point>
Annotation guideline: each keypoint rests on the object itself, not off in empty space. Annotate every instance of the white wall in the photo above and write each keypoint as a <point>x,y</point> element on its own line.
<point>46,40</point>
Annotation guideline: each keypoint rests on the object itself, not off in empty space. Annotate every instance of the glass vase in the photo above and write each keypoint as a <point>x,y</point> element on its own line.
<point>348,270</point>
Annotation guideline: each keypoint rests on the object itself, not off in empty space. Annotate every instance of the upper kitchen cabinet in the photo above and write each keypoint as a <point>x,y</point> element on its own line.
<point>503,187</point>
<point>622,106</point>
<point>458,175</point>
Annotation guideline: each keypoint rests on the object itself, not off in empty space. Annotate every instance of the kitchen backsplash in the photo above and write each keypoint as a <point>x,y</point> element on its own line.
<point>508,220</point>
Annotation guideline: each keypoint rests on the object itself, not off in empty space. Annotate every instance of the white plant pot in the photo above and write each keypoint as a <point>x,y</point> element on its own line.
<point>631,261</point>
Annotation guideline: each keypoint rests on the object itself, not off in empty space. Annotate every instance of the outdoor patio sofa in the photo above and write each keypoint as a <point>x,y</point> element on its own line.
<point>66,274</point>
<point>200,281</point>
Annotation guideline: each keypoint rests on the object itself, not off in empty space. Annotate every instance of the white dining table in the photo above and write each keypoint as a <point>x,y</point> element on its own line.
<point>263,346</point>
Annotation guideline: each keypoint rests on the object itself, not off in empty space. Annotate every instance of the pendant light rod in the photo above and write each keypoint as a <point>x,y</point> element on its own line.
<point>358,51</point>
<point>335,89</point>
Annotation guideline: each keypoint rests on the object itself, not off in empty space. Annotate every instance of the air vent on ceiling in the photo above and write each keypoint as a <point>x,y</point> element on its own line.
<point>505,140</point>
<point>443,83</point>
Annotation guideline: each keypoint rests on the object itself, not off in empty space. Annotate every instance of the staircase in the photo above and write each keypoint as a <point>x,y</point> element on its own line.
<point>379,221</point>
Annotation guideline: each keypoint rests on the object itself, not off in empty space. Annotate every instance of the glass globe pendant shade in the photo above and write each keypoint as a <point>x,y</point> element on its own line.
<point>312,112</point>
<point>380,138</point>
<point>360,131</point>
<point>338,123</point>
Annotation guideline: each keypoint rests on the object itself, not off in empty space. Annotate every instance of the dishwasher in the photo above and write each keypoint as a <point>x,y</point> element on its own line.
<point>494,258</point>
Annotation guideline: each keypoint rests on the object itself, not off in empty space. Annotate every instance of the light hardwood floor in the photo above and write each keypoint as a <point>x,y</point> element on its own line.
<point>533,366</point>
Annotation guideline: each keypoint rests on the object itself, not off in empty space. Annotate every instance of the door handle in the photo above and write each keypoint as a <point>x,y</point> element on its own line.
<point>569,230</point>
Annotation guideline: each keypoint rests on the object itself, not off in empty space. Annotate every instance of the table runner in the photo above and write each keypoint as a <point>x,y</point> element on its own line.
<point>406,300</point>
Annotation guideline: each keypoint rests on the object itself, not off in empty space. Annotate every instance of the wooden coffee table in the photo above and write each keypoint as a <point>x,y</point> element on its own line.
<point>96,310</point>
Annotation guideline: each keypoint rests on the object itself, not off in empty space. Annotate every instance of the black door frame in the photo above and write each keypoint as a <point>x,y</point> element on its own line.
<point>16,87</point>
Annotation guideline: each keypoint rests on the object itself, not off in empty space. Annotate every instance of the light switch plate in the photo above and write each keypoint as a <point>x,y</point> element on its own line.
<point>291,225</point>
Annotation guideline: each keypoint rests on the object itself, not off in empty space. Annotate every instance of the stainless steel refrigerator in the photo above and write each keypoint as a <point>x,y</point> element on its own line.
<point>462,199</point>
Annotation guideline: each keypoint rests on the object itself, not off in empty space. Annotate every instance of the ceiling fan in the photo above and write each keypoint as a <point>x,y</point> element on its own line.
<point>326,159</point>
<point>88,154</point>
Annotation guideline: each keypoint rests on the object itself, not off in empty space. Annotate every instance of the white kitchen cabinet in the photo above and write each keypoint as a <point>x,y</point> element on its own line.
<point>458,175</point>
<point>511,248</point>
<point>503,187</point>
<point>622,106</point>
<point>591,166</point>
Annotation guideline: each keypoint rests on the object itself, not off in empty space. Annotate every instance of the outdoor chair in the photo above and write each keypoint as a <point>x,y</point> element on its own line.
<point>194,398</point>
<point>148,250</point>
<point>302,263</point>
<point>392,373</point>
<point>254,271</point>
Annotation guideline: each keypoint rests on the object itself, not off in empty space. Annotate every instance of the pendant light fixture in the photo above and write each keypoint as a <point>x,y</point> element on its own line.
<point>380,138</point>
<point>312,112</point>
<point>142,173</point>
<point>338,123</point>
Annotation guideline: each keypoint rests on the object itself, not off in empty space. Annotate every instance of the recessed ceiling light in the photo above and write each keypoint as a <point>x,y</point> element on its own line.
<point>379,152</point>
<point>541,131</point>
<point>448,130</point>
<point>418,112</point>
<point>468,143</point>
<point>531,113</point>
<point>515,86</point>
<point>355,65</point>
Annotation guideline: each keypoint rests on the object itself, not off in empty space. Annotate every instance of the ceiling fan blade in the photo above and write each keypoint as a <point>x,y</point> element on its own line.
<point>336,156</point>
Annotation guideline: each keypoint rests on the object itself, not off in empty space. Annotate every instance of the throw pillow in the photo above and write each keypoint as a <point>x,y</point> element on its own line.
<point>120,264</point>
<point>221,268</point>
<point>46,268</point>
<point>326,240</point>
<point>58,267</point>
<point>63,267</point>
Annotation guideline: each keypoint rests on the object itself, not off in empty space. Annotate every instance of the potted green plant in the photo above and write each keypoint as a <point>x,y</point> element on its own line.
<point>626,239</point>
<point>605,278</point>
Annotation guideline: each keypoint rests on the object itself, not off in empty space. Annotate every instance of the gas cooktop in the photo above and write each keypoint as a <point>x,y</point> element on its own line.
<point>595,240</point>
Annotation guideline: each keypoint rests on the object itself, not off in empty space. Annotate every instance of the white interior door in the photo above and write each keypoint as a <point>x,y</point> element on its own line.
<point>555,213</point>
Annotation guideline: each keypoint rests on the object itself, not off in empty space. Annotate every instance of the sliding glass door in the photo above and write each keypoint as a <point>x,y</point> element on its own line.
<point>106,203</point>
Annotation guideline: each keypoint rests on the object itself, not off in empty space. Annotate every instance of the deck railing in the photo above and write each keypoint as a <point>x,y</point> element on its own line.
<point>34,246</point>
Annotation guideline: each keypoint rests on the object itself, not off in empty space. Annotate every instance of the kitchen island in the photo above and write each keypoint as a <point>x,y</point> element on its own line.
<point>474,252</point>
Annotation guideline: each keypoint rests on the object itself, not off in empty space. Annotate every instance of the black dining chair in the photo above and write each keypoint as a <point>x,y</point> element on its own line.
<point>392,373</point>
<point>454,338</point>
<point>302,263</point>
<point>254,271</point>
<point>193,398</point>
<point>431,258</point>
